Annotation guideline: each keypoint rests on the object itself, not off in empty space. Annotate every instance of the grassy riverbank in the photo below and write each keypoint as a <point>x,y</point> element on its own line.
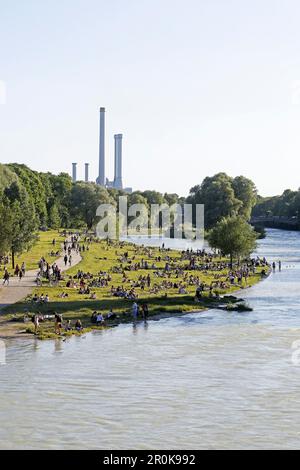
<point>108,260</point>
<point>42,247</point>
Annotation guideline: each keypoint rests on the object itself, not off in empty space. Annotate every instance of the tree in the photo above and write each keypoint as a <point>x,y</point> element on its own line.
<point>54,217</point>
<point>142,215</point>
<point>223,196</point>
<point>233,236</point>
<point>35,188</point>
<point>217,195</point>
<point>85,199</point>
<point>7,176</point>
<point>171,198</point>
<point>153,197</point>
<point>6,226</point>
<point>245,191</point>
<point>19,221</point>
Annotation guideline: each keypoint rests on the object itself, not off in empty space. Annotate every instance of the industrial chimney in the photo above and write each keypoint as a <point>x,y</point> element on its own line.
<point>118,184</point>
<point>74,172</point>
<point>101,176</point>
<point>86,173</point>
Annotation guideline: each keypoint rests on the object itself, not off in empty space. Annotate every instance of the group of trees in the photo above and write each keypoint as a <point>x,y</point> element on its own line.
<point>30,200</point>
<point>17,214</point>
<point>286,205</point>
<point>228,206</point>
<point>224,196</point>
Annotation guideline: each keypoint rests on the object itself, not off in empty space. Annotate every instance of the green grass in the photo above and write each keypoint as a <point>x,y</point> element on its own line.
<point>42,248</point>
<point>102,257</point>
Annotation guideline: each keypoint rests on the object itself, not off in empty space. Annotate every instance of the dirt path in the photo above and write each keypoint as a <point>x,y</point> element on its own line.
<point>18,290</point>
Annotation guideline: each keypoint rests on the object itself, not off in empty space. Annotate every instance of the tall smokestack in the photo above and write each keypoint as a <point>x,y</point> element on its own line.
<point>101,176</point>
<point>86,172</point>
<point>74,172</point>
<point>118,184</point>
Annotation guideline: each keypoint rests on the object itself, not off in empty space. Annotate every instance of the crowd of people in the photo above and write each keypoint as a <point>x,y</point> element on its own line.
<point>59,325</point>
<point>157,272</point>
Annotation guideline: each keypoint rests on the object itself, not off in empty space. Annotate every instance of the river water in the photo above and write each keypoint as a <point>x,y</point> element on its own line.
<point>207,380</point>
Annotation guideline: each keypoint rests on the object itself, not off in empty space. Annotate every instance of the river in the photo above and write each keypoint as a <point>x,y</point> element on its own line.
<point>207,380</point>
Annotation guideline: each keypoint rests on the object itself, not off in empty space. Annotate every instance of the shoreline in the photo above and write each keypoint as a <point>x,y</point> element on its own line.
<point>12,316</point>
<point>10,329</point>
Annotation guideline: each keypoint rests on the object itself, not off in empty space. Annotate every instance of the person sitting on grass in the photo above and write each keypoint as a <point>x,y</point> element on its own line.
<point>111,315</point>
<point>68,325</point>
<point>94,317</point>
<point>93,296</point>
<point>99,319</point>
<point>182,290</point>
<point>63,295</point>
<point>78,325</point>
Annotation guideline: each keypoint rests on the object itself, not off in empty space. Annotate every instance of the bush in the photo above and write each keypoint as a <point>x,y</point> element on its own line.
<point>243,307</point>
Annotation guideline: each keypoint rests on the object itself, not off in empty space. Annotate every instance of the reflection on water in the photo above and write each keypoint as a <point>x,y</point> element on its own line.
<point>173,243</point>
<point>206,380</point>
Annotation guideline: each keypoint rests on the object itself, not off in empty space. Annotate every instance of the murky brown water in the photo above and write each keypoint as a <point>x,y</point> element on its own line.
<point>209,380</point>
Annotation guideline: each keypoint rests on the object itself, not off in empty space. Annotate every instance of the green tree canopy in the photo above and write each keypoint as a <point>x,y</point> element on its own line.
<point>233,236</point>
<point>19,221</point>
<point>85,199</point>
<point>245,191</point>
<point>217,195</point>
<point>224,196</point>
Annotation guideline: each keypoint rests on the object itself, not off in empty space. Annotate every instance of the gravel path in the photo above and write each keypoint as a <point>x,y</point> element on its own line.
<point>18,290</point>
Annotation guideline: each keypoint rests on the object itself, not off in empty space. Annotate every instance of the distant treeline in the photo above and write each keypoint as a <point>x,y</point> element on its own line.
<point>30,200</point>
<point>287,205</point>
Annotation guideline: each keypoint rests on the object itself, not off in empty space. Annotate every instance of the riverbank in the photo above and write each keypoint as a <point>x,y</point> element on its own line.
<point>112,275</point>
<point>13,326</point>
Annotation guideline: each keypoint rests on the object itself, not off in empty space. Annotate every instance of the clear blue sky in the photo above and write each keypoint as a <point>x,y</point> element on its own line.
<point>195,86</point>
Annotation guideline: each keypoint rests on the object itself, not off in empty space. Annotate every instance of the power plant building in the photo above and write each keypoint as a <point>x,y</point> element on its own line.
<point>117,183</point>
